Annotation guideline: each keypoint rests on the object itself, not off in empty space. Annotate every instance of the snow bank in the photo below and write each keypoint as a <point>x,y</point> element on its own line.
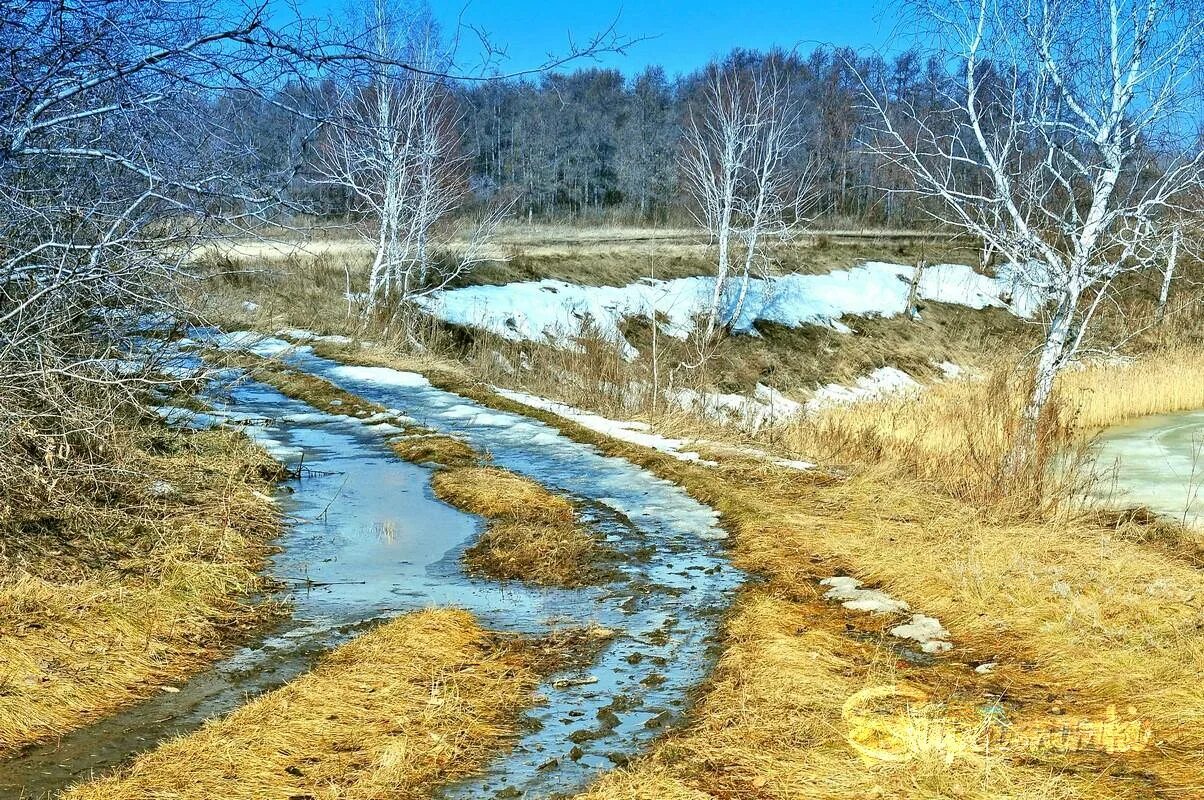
<point>764,407</point>
<point>554,311</point>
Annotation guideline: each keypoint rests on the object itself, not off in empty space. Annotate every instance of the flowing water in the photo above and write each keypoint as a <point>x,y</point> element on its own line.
<point>370,541</point>
<point>1157,462</point>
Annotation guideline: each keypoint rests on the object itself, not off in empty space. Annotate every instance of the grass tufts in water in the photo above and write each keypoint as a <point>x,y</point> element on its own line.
<point>533,534</point>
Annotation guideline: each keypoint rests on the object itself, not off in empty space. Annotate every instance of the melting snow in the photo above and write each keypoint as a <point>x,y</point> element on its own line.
<point>848,592</point>
<point>555,311</point>
<point>874,386</point>
<point>928,631</point>
<point>633,432</point>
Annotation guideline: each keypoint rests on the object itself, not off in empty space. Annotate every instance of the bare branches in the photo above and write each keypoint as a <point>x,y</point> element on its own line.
<point>738,146</point>
<point>1062,149</point>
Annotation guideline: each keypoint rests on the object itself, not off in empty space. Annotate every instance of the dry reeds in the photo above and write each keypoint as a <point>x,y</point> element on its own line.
<point>416,702</point>
<point>107,598</point>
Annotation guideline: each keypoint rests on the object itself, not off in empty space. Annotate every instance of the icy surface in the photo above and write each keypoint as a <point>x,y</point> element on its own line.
<point>555,311</point>
<point>1156,461</point>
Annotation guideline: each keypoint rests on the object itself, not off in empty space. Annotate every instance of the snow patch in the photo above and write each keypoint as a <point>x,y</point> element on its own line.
<point>632,432</point>
<point>555,312</point>
<point>928,631</point>
<point>882,382</point>
<point>847,591</point>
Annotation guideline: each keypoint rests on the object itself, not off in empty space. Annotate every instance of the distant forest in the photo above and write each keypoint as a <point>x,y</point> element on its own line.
<point>594,145</point>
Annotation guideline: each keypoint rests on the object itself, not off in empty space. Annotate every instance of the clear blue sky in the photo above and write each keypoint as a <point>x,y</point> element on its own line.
<point>684,33</point>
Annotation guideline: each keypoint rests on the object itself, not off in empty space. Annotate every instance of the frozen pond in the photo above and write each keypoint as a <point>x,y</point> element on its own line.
<point>1155,461</point>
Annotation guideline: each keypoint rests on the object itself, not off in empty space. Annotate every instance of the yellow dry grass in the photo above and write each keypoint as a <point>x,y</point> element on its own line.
<point>533,534</point>
<point>132,593</point>
<point>433,448</point>
<point>1155,383</point>
<point>498,494</point>
<point>416,702</point>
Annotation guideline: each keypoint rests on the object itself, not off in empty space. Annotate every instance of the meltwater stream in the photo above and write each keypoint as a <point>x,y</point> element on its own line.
<point>1156,461</point>
<point>370,541</point>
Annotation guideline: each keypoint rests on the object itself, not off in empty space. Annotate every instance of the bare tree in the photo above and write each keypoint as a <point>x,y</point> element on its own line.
<point>394,140</point>
<point>737,149</point>
<point>1061,149</point>
<point>113,169</point>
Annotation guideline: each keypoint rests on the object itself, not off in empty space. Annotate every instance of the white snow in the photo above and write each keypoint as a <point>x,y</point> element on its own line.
<point>928,631</point>
<point>381,375</point>
<point>765,406</point>
<point>882,382</point>
<point>847,590</point>
<point>632,432</point>
<point>555,311</point>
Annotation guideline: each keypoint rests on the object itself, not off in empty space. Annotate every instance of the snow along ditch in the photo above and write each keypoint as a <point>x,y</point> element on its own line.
<point>556,312</point>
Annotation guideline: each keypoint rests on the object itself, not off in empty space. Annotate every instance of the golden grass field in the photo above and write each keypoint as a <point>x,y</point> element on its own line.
<point>415,702</point>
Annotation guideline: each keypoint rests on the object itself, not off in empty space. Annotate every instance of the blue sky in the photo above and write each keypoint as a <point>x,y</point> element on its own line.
<point>686,32</point>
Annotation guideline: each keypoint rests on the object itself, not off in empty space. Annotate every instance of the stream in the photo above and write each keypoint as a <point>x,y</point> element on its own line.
<point>368,541</point>
<point>1155,461</point>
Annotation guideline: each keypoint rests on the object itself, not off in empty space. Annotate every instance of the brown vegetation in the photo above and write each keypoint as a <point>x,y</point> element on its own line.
<point>413,703</point>
<point>533,535</point>
<point>109,595</point>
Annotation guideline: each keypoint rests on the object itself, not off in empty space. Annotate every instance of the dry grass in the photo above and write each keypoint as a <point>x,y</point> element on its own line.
<point>1159,383</point>
<point>434,448</point>
<point>957,438</point>
<point>770,726</point>
<point>533,534</point>
<point>417,702</point>
<point>106,599</point>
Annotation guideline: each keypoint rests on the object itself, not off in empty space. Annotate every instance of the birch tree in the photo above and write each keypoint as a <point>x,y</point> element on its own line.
<point>1062,146</point>
<point>738,143</point>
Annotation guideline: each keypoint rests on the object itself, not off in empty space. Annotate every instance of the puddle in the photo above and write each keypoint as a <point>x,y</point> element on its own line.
<point>1155,461</point>
<point>370,541</point>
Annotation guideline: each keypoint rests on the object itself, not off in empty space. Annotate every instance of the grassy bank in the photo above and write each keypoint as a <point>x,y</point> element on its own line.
<point>110,595</point>
<point>416,702</point>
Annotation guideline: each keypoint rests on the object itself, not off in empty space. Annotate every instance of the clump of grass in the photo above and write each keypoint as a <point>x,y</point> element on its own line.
<point>434,448</point>
<point>414,703</point>
<point>104,599</point>
<point>533,534</point>
<point>498,494</point>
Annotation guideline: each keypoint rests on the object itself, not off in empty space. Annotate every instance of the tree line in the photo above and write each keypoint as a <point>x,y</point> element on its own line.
<point>593,144</point>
